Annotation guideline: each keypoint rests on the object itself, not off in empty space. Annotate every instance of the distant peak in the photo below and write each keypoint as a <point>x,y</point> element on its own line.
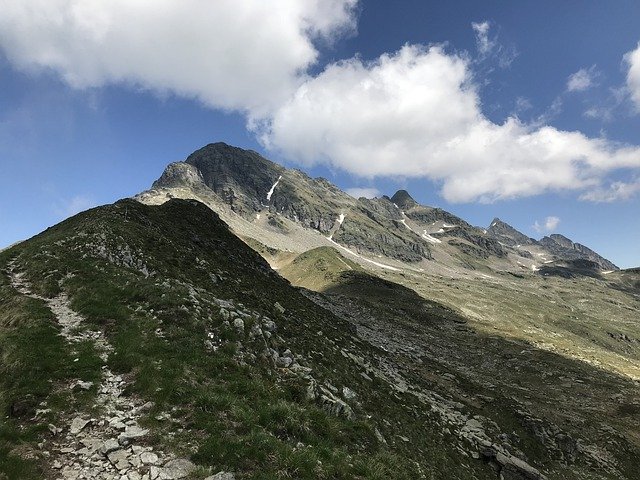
<point>403,200</point>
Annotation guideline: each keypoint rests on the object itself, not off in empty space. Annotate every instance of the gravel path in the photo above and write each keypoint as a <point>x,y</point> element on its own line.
<point>105,447</point>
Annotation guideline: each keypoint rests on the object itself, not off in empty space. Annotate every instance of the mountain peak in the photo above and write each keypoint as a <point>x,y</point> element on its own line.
<point>403,200</point>
<point>508,235</point>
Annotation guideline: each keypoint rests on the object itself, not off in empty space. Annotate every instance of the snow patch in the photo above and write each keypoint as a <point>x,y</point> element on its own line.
<point>273,188</point>
<point>339,221</point>
<point>257,216</point>
<point>446,225</point>
<point>429,238</point>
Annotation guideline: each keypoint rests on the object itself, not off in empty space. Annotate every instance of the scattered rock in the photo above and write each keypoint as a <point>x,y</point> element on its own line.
<point>118,459</point>
<point>83,385</point>
<point>78,424</point>
<point>109,446</point>
<point>284,362</point>
<point>270,326</point>
<point>279,307</point>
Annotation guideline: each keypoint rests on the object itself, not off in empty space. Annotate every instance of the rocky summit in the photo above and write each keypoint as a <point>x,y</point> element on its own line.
<point>242,320</point>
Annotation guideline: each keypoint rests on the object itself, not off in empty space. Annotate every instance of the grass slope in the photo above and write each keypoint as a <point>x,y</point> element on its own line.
<point>152,279</point>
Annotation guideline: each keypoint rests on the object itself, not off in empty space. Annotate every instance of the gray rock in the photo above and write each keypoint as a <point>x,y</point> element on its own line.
<point>279,307</point>
<point>78,424</point>
<point>238,323</point>
<point>222,476</point>
<point>84,385</point>
<point>119,459</point>
<point>348,394</point>
<point>176,469</point>
<point>149,458</point>
<point>131,433</point>
<point>284,362</point>
<point>270,326</point>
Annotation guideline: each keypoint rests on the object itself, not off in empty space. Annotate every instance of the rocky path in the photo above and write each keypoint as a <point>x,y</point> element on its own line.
<point>108,445</point>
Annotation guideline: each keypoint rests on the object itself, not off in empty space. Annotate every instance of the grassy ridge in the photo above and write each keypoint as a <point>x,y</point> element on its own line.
<point>150,278</point>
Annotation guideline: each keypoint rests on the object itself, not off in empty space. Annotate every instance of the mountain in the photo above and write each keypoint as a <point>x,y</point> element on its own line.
<point>555,247</point>
<point>287,210</point>
<point>508,235</point>
<point>167,347</point>
<point>566,249</point>
<point>204,331</point>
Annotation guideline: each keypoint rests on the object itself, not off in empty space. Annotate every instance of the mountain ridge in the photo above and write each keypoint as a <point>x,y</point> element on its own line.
<point>280,200</point>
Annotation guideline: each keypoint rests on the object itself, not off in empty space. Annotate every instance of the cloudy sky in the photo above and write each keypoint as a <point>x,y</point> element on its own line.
<point>529,111</point>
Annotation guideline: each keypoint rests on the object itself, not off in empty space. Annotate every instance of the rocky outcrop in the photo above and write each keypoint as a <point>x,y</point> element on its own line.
<point>566,249</point>
<point>508,235</point>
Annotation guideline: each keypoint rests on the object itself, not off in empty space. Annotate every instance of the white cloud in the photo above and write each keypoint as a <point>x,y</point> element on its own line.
<point>69,207</point>
<point>417,113</point>
<point>413,113</point>
<point>523,104</point>
<point>490,47</point>
<point>231,54</point>
<point>483,42</point>
<point>632,59</point>
<point>549,224</point>
<point>357,192</point>
<point>616,191</point>
<point>581,80</point>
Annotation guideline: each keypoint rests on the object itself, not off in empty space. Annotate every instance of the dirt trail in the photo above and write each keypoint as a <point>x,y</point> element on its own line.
<point>107,446</point>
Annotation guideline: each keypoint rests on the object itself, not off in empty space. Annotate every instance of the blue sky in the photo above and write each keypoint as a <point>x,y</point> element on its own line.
<point>456,101</point>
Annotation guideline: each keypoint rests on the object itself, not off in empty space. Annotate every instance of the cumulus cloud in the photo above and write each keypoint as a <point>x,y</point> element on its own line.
<point>366,192</point>
<point>417,113</point>
<point>413,113</point>
<point>632,59</point>
<point>548,225</point>
<point>233,54</point>
<point>581,80</point>
<point>614,192</point>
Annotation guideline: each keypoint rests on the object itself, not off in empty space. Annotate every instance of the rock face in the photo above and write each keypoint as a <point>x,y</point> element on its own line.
<point>557,246</point>
<point>508,235</point>
<point>403,200</point>
<point>566,249</point>
<point>179,174</point>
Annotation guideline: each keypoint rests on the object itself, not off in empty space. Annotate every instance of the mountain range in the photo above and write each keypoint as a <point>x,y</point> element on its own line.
<point>261,199</point>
